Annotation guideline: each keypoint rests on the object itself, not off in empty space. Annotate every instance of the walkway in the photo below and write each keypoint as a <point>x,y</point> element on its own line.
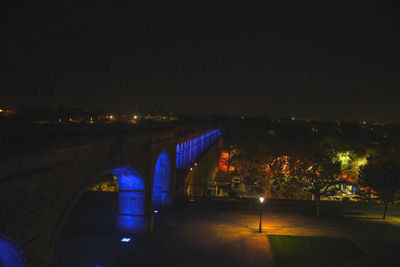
<point>195,235</point>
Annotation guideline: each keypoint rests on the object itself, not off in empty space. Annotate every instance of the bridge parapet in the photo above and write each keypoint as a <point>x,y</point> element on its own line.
<point>191,149</point>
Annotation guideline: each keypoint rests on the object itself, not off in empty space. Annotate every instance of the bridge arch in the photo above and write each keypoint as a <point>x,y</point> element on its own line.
<point>131,200</point>
<point>9,254</point>
<point>161,180</point>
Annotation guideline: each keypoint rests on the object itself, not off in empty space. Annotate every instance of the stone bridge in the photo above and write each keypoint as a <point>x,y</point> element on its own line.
<point>38,189</point>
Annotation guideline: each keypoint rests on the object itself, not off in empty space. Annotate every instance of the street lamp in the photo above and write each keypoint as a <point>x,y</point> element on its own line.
<point>261,199</point>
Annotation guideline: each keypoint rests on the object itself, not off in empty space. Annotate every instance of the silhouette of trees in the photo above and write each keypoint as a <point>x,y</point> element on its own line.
<point>382,178</point>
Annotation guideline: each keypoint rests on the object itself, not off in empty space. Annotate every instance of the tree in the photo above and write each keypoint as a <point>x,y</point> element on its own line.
<point>317,176</point>
<point>382,178</point>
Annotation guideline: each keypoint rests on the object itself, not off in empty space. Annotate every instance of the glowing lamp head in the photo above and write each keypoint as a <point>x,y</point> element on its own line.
<point>261,200</point>
<point>155,211</point>
<point>135,117</point>
<point>126,239</point>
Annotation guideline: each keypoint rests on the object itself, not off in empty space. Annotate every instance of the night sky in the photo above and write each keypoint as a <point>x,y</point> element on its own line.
<point>330,60</point>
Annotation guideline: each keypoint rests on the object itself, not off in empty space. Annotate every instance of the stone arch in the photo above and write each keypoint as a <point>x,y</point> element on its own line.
<point>131,200</point>
<point>9,254</point>
<point>161,180</point>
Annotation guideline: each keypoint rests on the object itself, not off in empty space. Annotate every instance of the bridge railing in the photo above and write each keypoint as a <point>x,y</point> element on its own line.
<point>187,152</point>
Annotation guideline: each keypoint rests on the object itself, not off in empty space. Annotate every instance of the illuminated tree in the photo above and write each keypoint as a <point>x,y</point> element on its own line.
<point>382,177</point>
<point>279,180</point>
<point>250,169</point>
<point>261,143</point>
<point>317,176</point>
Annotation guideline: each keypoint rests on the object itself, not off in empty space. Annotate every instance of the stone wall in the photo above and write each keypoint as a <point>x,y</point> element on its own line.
<point>197,180</point>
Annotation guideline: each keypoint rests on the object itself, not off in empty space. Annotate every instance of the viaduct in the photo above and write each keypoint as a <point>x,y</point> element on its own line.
<point>38,189</point>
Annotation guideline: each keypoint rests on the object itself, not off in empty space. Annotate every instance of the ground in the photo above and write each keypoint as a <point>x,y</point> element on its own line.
<point>221,233</point>
<point>314,251</point>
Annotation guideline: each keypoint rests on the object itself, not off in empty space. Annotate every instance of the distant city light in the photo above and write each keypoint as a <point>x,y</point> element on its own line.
<point>293,118</point>
<point>126,239</point>
<point>195,164</point>
<point>155,211</point>
<point>191,169</point>
<point>135,117</point>
<point>111,117</point>
<point>261,199</point>
<point>1,110</point>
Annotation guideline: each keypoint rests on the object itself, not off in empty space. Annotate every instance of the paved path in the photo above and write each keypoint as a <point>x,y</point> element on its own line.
<point>192,236</point>
<point>206,237</point>
<point>208,234</point>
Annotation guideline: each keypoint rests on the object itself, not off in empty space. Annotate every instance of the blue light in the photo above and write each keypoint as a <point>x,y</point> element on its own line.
<point>181,156</point>
<point>161,181</point>
<point>155,211</point>
<point>9,256</point>
<point>177,156</point>
<point>190,150</point>
<point>131,224</point>
<point>126,239</point>
<point>131,200</point>
<point>128,178</point>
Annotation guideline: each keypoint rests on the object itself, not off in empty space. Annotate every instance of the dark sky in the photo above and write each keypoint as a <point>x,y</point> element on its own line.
<point>310,59</point>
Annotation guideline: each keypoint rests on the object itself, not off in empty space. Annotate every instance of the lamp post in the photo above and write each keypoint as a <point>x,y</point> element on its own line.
<point>261,199</point>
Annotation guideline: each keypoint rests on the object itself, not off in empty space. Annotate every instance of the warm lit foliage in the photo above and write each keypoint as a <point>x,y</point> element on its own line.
<point>106,186</point>
<point>318,177</point>
<point>350,161</point>
<point>225,161</point>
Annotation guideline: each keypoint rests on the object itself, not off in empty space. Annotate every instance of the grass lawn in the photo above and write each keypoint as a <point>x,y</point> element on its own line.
<point>315,251</point>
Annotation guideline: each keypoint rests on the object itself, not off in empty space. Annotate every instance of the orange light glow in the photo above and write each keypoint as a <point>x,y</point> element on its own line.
<point>223,162</point>
<point>347,177</point>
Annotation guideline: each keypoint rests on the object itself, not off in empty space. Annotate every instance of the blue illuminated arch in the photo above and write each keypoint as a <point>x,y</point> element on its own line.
<point>182,154</point>
<point>189,151</point>
<point>185,161</point>
<point>177,156</point>
<point>131,200</point>
<point>161,194</point>
<point>9,255</point>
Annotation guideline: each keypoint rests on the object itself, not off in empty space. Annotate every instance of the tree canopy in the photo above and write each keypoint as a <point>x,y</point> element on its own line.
<point>381,176</point>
